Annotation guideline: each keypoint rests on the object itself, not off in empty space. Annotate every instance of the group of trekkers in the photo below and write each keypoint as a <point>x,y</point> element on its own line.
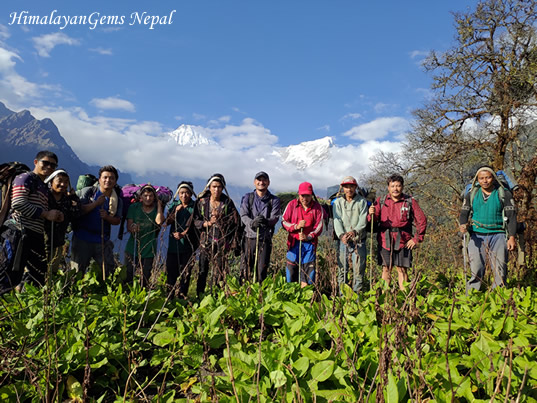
<point>42,206</point>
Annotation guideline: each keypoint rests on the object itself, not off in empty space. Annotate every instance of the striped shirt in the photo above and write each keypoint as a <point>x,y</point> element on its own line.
<point>29,198</point>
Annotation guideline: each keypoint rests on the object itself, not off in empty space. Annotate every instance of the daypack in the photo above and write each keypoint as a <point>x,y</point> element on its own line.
<point>407,206</point>
<point>8,172</point>
<point>131,194</point>
<point>85,181</point>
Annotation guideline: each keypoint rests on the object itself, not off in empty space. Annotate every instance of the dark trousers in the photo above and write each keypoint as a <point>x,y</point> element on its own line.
<point>248,255</point>
<point>213,255</point>
<point>179,266</point>
<point>133,264</point>
<point>33,259</point>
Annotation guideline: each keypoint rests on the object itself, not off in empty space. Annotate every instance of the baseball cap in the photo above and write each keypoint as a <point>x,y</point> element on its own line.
<point>348,180</point>
<point>261,173</point>
<point>305,188</point>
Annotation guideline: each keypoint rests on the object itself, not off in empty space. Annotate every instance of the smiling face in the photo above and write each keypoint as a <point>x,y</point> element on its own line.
<point>45,166</point>
<point>107,181</point>
<point>305,200</point>
<point>60,184</point>
<point>395,189</point>
<point>185,196</point>
<point>349,191</point>
<point>261,184</point>
<point>485,180</point>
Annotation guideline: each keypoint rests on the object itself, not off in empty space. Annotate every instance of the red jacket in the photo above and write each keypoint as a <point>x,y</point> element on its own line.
<point>399,214</point>
<point>313,215</point>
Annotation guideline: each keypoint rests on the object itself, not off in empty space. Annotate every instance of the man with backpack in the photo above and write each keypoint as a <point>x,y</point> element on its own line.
<point>101,208</point>
<point>260,212</point>
<point>29,210</point>
<point>394,214</point>
<point>488,213</point>
<point>350,222</point>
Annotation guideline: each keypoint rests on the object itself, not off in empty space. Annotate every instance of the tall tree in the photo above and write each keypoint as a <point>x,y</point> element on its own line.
<point>484,99</point>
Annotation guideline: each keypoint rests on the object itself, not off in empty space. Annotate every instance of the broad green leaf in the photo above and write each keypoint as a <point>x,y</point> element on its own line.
<point>278,378</point>
<point>301,366</point>
<point>392,393</point>
<point>162,339</point>
<point>214,316</point>
<point>322,370</point>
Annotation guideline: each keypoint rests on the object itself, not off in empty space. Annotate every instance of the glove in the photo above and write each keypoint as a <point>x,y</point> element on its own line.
<point>259,221</point>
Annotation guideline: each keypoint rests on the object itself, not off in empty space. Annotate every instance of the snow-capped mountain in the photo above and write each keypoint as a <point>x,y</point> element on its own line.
<point>306,154</point>
<point>187,135</point>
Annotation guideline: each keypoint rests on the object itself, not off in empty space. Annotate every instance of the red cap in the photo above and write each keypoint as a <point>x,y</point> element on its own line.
<point>305,188</point>
<point>348,180</point>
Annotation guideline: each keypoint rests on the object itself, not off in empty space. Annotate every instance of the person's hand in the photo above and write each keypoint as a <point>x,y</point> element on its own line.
<point>178,235</point>
<point>463,228</point>
<point>179,208</point>
<point>411,244</point>
<point>301,224</point>
<point>511,243</point>
<point>100,200</point>
<point>302,237</point>
<point>371,209</point>
<point>345,238</point>
<point>259,221</point>
<point>53,215</point>
<point>134,228</point>
<point>103,213</point>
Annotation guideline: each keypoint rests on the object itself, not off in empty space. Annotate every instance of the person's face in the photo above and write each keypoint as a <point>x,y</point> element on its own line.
<point>45,166</point>
<point>107,180</point>
<point>216,189</point>
<point>395,189</point>
<point>349,191</point>
<point>305,200</point>
<point>262,183</point>
<point>485,180</point>
<point>60,184</point>
<point>148,198</point>
<point>185,196</point>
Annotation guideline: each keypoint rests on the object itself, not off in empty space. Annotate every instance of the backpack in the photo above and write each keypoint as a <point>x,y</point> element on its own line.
<point>8,172</point>
<point>131,194</point>
<point>85,181</point>
<point>407,206</point>
<point>503,182</point>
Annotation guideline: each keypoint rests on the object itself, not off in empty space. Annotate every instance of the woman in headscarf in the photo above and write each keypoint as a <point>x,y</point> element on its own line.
<point>143,222</point>
<point>183,240</point>
<point>217,219</point>
<point>60,197</point>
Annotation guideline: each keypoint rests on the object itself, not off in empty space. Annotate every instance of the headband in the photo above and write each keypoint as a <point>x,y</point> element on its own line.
<point>54,174</point>
<point>187,186</point>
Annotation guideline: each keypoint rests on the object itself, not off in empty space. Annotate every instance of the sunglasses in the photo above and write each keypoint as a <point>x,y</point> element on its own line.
<point>53,165</point>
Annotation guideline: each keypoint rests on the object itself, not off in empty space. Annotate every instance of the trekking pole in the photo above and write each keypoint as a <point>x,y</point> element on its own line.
<point>300,254</point>
<point>102,248</point>
<point>465,257</point>
<point>371,256</point>
<point>256,253</point>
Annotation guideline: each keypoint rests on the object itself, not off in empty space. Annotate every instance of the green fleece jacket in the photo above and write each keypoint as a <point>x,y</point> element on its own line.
<point>350,216</point>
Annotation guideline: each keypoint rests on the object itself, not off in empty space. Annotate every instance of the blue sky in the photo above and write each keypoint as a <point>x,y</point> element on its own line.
<point>268,73</point>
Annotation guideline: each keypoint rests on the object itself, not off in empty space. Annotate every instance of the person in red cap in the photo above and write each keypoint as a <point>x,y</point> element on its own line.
<point>350,221</point>
<point>395,213</point>
<point>303,219</point>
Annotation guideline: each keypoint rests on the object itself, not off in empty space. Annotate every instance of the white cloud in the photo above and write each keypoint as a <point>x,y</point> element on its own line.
<point>178,117</point>
<point>113,103</point>
<point>102,51</point>
<point>351,116</point>
<point>45,43</point>
<point>198,116</point>
<point>419,54</point>
<point>4,33</point>
<point>379,128</point>
<point>14,88</point>
<point>325,128</point>
<point>226,118</point>
<point>381,107</point>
